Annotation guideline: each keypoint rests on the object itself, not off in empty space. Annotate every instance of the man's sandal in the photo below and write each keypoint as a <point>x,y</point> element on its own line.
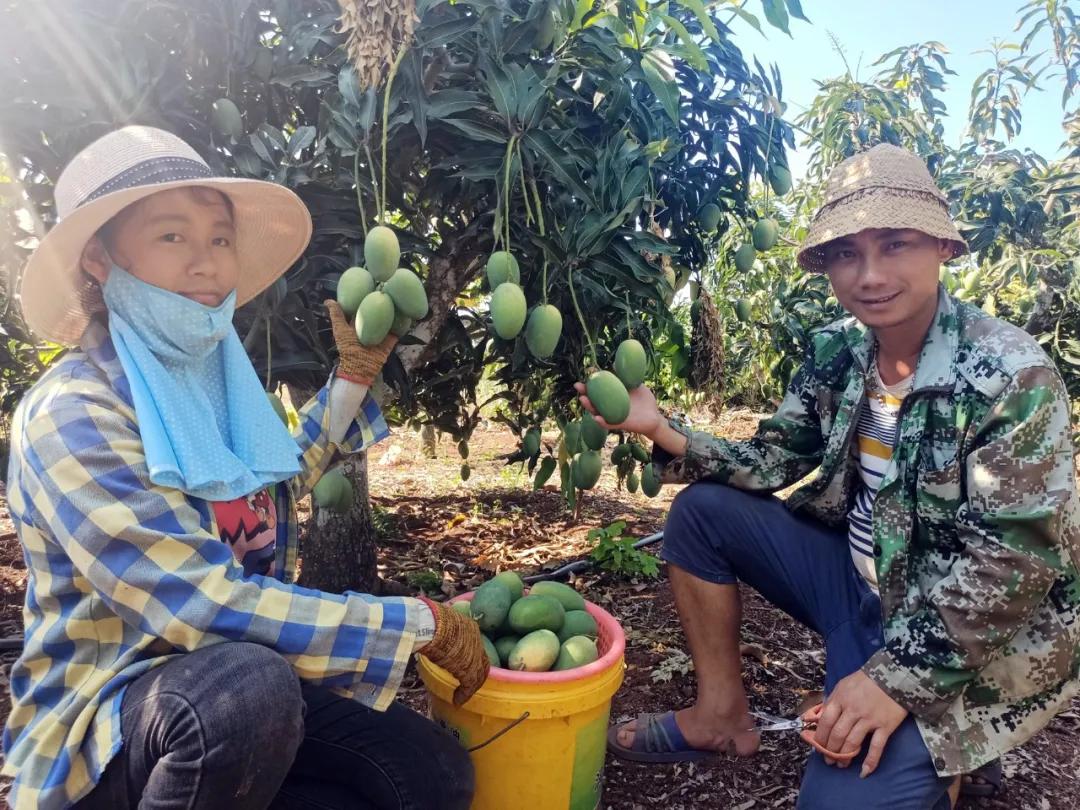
<point>984,781</point>
<point>657,739</point>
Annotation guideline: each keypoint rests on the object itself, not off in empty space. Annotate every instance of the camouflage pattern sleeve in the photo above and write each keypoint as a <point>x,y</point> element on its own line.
<point>1012,527</point>
<point>786,447</point>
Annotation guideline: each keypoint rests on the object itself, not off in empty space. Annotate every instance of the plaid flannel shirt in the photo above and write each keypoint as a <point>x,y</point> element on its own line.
<point>124,575</point>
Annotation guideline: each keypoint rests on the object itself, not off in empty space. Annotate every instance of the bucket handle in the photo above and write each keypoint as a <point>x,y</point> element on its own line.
<point>497,734</point>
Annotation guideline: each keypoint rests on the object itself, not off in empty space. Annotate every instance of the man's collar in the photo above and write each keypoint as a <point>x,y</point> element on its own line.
<point>936,367</point>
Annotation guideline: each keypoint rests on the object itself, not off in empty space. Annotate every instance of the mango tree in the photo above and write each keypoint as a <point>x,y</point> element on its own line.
<point>1016,209</point>
<point>585,139</point>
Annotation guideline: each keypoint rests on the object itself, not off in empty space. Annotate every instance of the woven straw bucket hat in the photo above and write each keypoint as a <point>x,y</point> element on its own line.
<point>883,187</point>
<point>273,225</point>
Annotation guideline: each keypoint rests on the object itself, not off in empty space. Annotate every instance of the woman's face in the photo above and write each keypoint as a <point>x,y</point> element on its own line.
<point>182,240</point>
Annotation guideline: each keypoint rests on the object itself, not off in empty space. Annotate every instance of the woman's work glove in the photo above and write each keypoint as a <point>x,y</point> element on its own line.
<point>356,362</point>
<point>457,648</point>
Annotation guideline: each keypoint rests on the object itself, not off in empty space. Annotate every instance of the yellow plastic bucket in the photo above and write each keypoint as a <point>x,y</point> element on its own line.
<point>553,759</point>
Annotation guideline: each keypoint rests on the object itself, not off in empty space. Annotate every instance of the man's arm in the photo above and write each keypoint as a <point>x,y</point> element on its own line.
<point>1020,479</point>
<point>786,447</point>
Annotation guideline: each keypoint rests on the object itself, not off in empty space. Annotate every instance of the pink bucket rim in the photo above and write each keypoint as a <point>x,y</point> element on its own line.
<point>606,626</point>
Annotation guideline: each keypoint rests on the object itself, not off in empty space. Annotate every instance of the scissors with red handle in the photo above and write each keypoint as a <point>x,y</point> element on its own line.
<point>806,725</point>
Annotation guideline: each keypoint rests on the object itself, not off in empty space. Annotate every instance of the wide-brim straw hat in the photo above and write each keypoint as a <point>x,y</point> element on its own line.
<point>883,187</point>
<point>272,224</point>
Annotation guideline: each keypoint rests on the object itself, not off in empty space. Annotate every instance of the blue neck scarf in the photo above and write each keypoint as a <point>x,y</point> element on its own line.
<point>206,424</point>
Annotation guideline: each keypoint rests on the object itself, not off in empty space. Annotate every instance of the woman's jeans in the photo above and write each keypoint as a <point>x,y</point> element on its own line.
<point>724,535</point>
<point>231,726</point>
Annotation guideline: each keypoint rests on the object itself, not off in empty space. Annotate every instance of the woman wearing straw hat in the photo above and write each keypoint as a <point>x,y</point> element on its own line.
<point>936,545</point>
<point>170,660</point>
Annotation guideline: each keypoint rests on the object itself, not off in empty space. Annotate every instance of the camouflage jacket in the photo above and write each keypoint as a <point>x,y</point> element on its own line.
<point>976,523</point>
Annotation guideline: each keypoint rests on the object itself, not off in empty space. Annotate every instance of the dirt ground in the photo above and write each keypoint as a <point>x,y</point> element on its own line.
<point>434,526</point>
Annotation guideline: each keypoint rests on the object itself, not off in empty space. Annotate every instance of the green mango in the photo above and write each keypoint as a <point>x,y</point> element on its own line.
<point>534,612</point>
<point>593,435</point>
<point>631,363</point>
<point>490,604</point>
<point>779,179</point>
<point>572,437</point>
<point>374,317</point>
<point>576,651</point>
<point>586,469</point>
<point>578,623</point>
<point>530,445</point>
<point>766,233</point>
<point>502,267</point>
<point>512,582</point>
<point>609,396</point>
<point>503,646</point>
<point>566,596</point>
<point>709,217</point>
<point>382,253</point>
<point>225,118</point>
<point>408,292</point>
<point>508,308</point>
<point>543,473</point>
<point>536,652</point>
<point>354,286</point>
<point>650,483</point>
<point>492,653</point>
<point>744,257</point>
<point>543,330</point>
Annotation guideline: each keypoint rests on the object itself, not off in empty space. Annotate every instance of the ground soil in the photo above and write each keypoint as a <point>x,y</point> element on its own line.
<point>450,535</point>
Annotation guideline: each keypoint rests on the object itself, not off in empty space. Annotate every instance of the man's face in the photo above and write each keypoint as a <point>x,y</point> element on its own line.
<point>182,240</point>
<point>887,277</point>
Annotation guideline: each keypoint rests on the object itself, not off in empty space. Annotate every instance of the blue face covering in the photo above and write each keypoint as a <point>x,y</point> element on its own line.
<point>206,424</point>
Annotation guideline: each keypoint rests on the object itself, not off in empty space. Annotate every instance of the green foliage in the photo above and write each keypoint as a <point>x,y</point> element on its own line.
<point>616,553</point>
<point>1017,210</point>
<point>425,580</point>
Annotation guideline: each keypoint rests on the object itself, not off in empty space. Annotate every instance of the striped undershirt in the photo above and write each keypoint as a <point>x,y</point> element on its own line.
<point>876,436</point>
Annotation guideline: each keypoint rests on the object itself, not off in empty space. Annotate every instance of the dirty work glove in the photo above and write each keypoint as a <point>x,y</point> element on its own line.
<point>356,362</point>
<point>457,648</point>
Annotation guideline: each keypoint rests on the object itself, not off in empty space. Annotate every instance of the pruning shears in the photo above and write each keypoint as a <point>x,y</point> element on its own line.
<point>805,724</point>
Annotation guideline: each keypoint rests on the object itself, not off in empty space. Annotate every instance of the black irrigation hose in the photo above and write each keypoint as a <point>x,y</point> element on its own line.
<point>16,642</point>
<point>582,565</point>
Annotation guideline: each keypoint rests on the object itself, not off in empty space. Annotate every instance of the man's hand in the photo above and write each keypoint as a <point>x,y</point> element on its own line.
<point>644,417</point>
<point>856,708</point>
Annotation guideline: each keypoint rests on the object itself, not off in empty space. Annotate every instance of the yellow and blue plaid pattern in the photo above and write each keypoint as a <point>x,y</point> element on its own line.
<point>124,575</point>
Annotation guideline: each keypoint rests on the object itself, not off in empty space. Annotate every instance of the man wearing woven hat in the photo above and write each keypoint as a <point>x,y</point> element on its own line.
<point>170,660</point>
<point>935,544</point>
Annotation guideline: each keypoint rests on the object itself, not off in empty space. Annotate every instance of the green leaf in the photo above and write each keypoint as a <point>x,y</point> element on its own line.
<point>477,131</point>
<point>500,87</point>
<point>697,8</point>
<point>661,80</point>
<point>581,8</point>
<point>446,32</point>
<point>300,74</point>
<point>694,55</point>
<point>557,161</point>
<point>777,15</point>
<point>795,7</point>
<point>301,139</point>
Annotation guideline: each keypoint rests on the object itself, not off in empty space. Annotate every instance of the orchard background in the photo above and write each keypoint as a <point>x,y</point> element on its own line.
<point>586,137</point>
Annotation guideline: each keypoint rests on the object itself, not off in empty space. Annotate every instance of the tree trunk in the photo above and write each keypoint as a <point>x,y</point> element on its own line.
<point>339,552</point>
<point>427,441</point>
